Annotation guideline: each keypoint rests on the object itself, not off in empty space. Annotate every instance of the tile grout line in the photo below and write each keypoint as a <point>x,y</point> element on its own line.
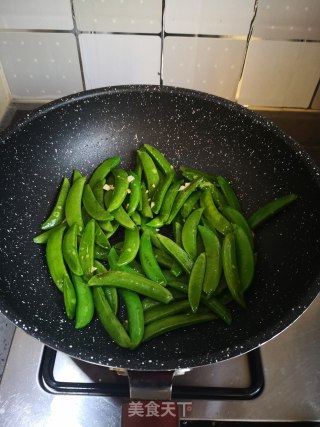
<point>162,42</point>
<point>76,33</point>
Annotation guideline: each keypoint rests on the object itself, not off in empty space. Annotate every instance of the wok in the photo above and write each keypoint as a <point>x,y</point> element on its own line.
<point>190,128</point>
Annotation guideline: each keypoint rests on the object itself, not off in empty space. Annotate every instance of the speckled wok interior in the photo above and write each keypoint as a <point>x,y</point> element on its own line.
<point>192,129</point>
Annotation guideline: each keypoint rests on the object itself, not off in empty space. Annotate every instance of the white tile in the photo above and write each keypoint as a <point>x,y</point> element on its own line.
<point>288,20</point>
<point>5,96</point>
<point>280,73</point>
<point>133,16</point>
<point>36,14</point>
<point>227,17</point>
<point>207,64</point>
<point>40,65</point>
<point>110,59</point>
<point>316,100</point>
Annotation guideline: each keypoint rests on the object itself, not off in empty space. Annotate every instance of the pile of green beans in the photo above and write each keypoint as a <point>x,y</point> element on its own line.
<point>173,248</point>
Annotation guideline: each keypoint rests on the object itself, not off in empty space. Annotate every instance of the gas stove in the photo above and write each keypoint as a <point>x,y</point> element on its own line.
<point>277,383</point>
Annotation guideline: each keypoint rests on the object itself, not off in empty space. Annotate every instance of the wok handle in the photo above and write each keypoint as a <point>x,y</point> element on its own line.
<point>150,385</point>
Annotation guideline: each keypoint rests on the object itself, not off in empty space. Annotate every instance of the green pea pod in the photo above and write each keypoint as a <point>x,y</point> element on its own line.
<point>163,259</point>
<point>115,226</point>
<point>106,226</point>
<point>215,219</point>
<point>58,212</point>
<point>236,217</point>
<point>98,192</point>
<point>69,297</point>
<point>54,256</point>
<point>268,210</point>
<point>192,174</point>
<point>73,203</point>
<point>189,233</point>
<point>93,207</point>
<point>121,185</point>
<point>218,308</point>
<point>229,193</point>
<point>177,252</point>
<point>135,192</point>
<point>176,269</point>
<point>110,293</point>
<point>100,238</point>
<point>146,210</point>
<point>160,192</point>
<point>212,248</point>
<point>43,237</point>
<point>182,197</point>
<point>136,218</point>
<point>103,170</point>
<point>150,171</point>
<point>196,281</point>
<point>148,259</point>
<point>70,250</point>
<point>86,249</point>
<point>190,204</point>
<point>76,174</point>
<point>133,282</point>
<point>109,320</point>
<point>161,311</point>
<point>130,246</point>
<point>123,218</point>
<point>162,326</point>
<point>100,253</point>
<point>135,315</point>
<point>245,258</point>
<point>85,306</point>
<point>230,268</point>
<point>159,158</point>
<point>148,303</point>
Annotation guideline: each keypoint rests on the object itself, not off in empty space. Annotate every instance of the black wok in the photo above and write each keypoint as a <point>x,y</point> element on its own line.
<point>192,129</point>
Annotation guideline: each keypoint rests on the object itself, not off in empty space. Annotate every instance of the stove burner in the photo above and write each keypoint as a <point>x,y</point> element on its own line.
<point>121,388</point>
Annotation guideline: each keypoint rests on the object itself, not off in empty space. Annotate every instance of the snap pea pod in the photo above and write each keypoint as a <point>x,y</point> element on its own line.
<point>43,237</point>
<point>113,260</point>
<point>159,158</point>
<point>182,197</point>
<point>245,257</point>
<point>229,193</point>
<point>177,252</point>
<point>100,238</point>
<point>106,226</point>
<point>133,282</point>
<point>54,256</point>
<point>136,218</point>
<point>213,259</point>
<point>109,320</point>
<point>74,203</point>
<point>268,210</point>
<point>192,174</point>
<point>98,191</point>
<point>160,192</point>
<point>110,293</point>
<point>215,219</point>
<point>121,216</point>
<point>93,207</point>
<point>70,250</point>
<point>150,171</point>
<point>230,268</point>
<point>189,233</point>
<point>121,185</point>
<point>190,204</point>
<point>86,249</point>
<point>85,307</point>
<point>75,175</point>
<point>146,210</point>
<point>176,269</point>
<point>130,246</point>
<point>159,327</point>
<point>100,253</point>
<point>236,217</point>
<point>196,282</point>
<point>69,297</point>
<point>148,259</point>
<point>57,214</point>
<point>164,259</point>
<point>115,226</point>
<point>135,316</point>
<point>135,192</point>
<point>148,303</point>
<point>162,311</point>
<point>103,170</point>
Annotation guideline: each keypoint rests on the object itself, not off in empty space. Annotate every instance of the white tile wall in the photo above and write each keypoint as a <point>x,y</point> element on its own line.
<point>227,17</point>
<point>280,73</point>
<point>207,64</point>
<point>316,100</point>
<point>40,65</point>
<point>36,14</point>
<point>110,59</point>
<point>288,19</point>
<point>5,97</point>
<point>134,16</point>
